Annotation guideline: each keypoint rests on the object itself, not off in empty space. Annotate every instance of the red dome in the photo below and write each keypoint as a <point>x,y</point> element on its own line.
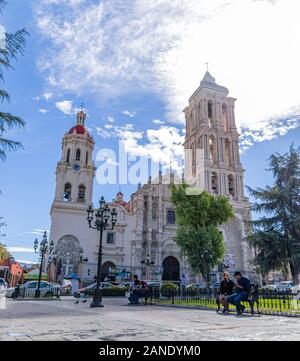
<point>79,129</point>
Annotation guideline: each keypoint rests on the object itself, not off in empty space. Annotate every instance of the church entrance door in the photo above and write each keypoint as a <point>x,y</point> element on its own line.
<point>171,269</point>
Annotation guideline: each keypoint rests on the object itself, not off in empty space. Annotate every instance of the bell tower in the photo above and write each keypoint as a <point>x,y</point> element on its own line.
<point>210,126</point>
<point>75,171</point>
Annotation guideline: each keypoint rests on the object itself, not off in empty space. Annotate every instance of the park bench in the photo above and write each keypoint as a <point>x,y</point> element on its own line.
<point>252,299</point>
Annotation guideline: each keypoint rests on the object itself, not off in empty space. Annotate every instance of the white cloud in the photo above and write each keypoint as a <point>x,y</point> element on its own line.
<point>162,45</point>
<point>20,250</point>
<point>2,37</point>
<point>47,96</point>
<point>163,145</point>
<point>26,262</point>
<point>65,106</point>
<point>129,113</point>
<point>43,111</point>
<point>110,119</point>
<point>158,121</point>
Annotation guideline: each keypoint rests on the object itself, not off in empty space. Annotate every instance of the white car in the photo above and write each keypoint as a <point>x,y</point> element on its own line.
<point>269,288</point>
<point>3,284</point>
<point>29,288</point>
<point>284,286</point>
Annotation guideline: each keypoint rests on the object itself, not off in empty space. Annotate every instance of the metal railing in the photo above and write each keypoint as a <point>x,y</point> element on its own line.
<point>45,292</point>
<point>269,302</point>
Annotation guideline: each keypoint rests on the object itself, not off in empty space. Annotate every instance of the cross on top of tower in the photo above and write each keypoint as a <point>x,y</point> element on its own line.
<point>81,115</point>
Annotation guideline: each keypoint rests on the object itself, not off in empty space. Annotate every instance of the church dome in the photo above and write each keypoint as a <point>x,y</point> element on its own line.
<point>78,129</point>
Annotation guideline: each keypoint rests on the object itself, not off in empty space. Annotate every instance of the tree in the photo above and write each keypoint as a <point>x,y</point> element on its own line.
<point>198,218</point>
<point>3,251</point>
<point>276,234</point>
<point>10,47</point>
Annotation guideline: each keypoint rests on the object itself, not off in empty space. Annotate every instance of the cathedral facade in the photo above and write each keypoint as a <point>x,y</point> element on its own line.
<point>143,240</point>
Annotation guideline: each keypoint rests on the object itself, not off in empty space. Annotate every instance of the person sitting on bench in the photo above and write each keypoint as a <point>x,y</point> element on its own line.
<point>242,289</point>
<point>134,290</point>
<point>226,289</point>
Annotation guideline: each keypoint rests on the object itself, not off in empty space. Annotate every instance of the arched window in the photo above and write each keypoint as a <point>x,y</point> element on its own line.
<point>212,149</point>
<point>87,158</point>
<point>68,156</point>
<point>210,112</point>
<point>81,193</point>
<point>67,192</point>
<point>231,187</point>
<point>214,183</point>
<point>227,152</point>
<point>225,117</point>
<point>78,154</point>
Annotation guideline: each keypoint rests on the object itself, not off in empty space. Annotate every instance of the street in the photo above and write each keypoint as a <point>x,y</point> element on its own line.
<point>65,320</point>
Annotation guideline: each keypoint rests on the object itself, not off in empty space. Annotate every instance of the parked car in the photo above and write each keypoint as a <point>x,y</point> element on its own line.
<point>29,288</point>
<point>90,290</point>
<point>269,288</point>
<point>296,288</point>
<point>284,286</point>
<point>154,283</point>
<point>124,284</point>
<point>3,284</point>
<point>215,286</point>
<point>196,285</point>
<point>65,289</point>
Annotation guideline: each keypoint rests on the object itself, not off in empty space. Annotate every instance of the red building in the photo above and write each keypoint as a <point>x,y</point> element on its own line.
<point>11,271</point>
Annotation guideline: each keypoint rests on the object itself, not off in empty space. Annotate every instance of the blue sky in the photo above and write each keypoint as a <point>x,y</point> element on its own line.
<point>134,64</point>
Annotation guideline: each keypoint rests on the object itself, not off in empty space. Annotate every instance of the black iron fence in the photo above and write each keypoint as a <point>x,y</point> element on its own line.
<point>259,301</point>
<point>45,292</point>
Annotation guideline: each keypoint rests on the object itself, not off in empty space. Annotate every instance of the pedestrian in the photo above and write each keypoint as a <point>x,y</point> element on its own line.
<point>242,290</point>
<point>134,294</point>
<point>226,289</point>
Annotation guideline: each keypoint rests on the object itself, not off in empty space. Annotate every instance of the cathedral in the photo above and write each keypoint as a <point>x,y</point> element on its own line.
<point>143,240</point>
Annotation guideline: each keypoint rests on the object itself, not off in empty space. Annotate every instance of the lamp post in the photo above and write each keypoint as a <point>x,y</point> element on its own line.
<point>43,248</point>
<point>105,219</point>
<point>148,262</point>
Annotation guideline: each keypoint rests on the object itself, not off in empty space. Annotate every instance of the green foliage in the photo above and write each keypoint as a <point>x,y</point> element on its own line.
<point>276,235</point>
<point>168,289</point>
<point>169,286</point>
<point>14,46</point>
<point>198,236</point>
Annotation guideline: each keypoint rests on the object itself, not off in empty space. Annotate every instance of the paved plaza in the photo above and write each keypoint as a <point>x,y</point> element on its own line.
<point>65,320</point>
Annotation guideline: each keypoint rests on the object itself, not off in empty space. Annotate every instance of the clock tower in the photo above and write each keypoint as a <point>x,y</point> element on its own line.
<point>75,171</point>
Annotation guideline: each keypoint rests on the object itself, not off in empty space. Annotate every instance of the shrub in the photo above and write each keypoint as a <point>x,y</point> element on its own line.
<point>168,289</point>
<point>114,291</point>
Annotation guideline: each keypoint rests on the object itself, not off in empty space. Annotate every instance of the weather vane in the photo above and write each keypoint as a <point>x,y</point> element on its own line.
<point>82,106</point>
<point>207,64</point>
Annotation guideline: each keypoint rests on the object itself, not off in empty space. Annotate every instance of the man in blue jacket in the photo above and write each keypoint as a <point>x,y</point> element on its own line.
<point>242,290</point>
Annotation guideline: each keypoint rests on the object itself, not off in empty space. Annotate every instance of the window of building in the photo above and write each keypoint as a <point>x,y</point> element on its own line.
<point>212,149</point>
<point>110,238</point>
<point>171,216</point>
<point>210,112</point>
<point>81,193</point>
<point>231,189</point>
<point>214,182</point>
<point>86,158</point>
<point>68,156</point>
<point>67,192</point>
<point>78,154</point>
<point>225,117</point>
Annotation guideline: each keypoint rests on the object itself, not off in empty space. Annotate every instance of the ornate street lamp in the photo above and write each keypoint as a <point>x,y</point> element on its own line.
<point>104,219</point>
<point>43,249</point>
<point>148,263</point>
